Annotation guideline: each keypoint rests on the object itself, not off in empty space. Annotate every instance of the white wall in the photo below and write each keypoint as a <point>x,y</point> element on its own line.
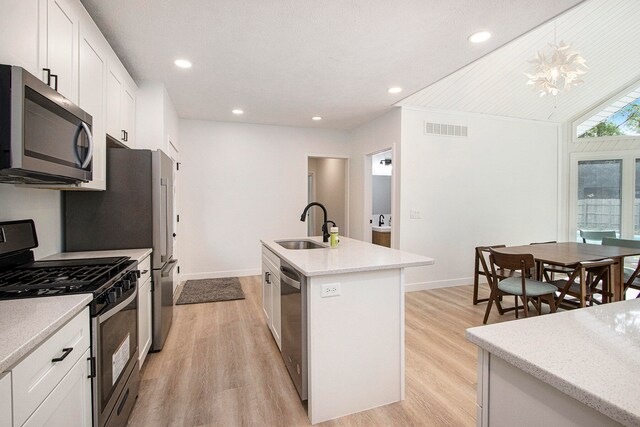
<point>156,117</point>
<point>240,183</point>
<point>43,206</point>
<point>377,135</point>
<point>330,190</point>
<point>497,186</point>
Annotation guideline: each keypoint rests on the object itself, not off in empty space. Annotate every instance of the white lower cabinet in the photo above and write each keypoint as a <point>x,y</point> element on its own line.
<point>144,311</point>
<point>6,413</point>
<point>69,404</point>
<point>271,293</point>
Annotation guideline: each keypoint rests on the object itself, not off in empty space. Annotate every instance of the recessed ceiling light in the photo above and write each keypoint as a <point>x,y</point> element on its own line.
<point>394,89</point>
<point>182,63</point>
<point>237,111</point>
<point>316,118</point>
<point>479,37</point>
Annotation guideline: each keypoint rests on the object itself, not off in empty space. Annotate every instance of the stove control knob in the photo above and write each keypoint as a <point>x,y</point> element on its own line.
<point>119,290</point>
<point>126,284</point>
<point>112,296</point>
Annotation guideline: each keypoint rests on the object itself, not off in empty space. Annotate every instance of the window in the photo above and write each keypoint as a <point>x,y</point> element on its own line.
<point>620,118</point>
<point>604,193</point>
<point>599,195</point>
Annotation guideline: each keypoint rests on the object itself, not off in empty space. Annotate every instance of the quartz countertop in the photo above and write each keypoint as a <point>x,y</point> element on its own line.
<point>591,354</point>
<point>136,254</point>
<point>26,323</point>
<point>350,256</point>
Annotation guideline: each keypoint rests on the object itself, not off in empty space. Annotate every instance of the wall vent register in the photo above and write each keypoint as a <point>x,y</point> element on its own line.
<point>444,129</point>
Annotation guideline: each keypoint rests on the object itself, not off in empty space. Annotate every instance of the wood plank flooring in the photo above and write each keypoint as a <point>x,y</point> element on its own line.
<point>221,367</point>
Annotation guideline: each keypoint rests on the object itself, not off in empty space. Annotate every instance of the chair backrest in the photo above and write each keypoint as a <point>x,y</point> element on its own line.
<point>596,236</point>
<point>481,260</point>
<point>512,261</point>
<point>625,243</point>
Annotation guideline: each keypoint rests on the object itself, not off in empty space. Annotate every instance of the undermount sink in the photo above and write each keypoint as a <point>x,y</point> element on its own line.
<point>300,244</point>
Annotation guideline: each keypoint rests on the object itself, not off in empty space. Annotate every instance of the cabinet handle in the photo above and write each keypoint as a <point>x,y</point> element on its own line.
<point>92,367</point>
<point>65,353</point>
<point>48,71</point>
<point>144,271</point>
<point>267,277</point>
<point>123,135</point>
<point>55,86</point>
<point>126,136</point>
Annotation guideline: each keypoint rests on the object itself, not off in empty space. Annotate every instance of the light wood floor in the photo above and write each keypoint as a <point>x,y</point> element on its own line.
<point>221,367</point>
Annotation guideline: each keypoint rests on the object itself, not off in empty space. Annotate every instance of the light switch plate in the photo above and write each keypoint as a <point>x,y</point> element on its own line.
<point>414,214</point>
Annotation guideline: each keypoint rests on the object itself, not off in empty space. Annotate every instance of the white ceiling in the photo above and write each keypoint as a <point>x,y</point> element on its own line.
<point>285,61</point>
<point>605,32</point>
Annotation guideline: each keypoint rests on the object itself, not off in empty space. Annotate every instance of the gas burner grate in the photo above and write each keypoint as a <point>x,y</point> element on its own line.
<point>66,276</point>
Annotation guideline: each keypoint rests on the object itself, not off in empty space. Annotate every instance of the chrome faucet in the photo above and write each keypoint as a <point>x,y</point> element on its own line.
<point>325,232</point>
<point>380,220</point>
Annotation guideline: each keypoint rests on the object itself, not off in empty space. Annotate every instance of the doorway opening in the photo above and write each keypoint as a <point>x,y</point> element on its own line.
<point>327,181</point>
<point>381,198</point>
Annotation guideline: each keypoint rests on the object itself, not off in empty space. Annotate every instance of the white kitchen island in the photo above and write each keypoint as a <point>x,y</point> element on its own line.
<point>355,340</point>
<point>574,368</point>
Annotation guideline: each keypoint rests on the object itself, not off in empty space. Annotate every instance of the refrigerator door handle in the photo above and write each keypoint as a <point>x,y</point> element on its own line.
<point>164,219</point>
<point>168,268</point>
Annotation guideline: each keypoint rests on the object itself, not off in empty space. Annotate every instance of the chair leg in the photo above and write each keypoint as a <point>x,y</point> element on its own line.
<point>516,301</point>
<point>552,303</point>
<point>525,301</point>
<point>492,297</point>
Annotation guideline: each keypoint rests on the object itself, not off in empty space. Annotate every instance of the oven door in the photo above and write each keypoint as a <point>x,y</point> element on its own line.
<point>115,339</point>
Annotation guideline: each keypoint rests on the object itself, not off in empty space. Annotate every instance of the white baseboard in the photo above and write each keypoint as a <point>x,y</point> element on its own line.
<point>219,274</point>
<point>425,286</point>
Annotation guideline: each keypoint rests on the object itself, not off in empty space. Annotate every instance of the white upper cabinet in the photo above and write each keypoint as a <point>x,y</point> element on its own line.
<point>57,41</point>
<point>20,34</point>
<point>91,96</point>
<point>121,111</point>
<point>62,25</point>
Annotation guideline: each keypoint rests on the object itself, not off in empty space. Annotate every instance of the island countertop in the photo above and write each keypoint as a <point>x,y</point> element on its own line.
<point>25,323</point>
<point>590,354</point>
<point>350,256</point>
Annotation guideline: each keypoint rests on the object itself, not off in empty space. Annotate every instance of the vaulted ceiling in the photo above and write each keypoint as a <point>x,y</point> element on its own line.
<point>285,61</point>
<point>605,32</point>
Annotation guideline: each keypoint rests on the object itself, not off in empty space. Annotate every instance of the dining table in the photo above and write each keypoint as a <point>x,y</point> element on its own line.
<point>569,254</point>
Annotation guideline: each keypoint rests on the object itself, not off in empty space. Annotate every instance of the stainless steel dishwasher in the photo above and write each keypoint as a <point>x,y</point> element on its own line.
<point>293,306</point>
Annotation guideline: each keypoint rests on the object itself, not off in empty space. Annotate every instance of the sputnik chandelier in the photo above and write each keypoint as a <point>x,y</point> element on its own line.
<point>559,71</point>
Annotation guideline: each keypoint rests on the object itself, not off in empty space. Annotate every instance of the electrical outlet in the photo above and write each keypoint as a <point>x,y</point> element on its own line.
<point>330,290</point>
<point>414,214</point>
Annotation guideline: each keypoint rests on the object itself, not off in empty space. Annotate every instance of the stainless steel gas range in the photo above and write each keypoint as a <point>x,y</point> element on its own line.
<point>113,282</point>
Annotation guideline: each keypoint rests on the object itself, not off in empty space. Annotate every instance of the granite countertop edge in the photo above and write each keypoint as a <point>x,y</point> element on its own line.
<point>24,348</point>
<point>604,406</point>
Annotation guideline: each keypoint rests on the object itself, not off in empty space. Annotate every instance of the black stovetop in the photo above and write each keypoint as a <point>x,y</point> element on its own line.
<point>60,277</point>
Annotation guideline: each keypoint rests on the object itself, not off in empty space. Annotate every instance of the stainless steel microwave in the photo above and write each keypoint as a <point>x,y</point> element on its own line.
<point>44,137</point>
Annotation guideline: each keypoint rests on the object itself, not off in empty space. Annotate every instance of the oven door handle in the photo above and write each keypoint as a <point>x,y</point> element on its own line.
<point>112,311</point>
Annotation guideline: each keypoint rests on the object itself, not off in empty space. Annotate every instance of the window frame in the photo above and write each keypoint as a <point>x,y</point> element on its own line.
<point>578,120</point>
<point>627,190</point>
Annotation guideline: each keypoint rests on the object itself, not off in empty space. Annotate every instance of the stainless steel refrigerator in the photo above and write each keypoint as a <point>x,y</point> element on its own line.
<point>135,211</point>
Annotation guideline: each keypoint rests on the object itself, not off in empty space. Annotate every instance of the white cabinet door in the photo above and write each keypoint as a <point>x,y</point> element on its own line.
<point>129,115</point>
<point>19,34</point>
<point>266,293</point>
<point>62,46</point>
<point>5,400</point>
<point>144,321</point>
<point>91,96</point>
<point>114,101</point>
<point>69,404</point>
<point>275,309</point>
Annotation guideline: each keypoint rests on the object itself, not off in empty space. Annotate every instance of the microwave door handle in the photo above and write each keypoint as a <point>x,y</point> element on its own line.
<point>87,159</point>
<point>83,127</point>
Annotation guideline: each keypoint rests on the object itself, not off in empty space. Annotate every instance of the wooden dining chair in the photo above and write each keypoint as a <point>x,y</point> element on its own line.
<point>631,274</point>
<point>522,286</point>
<point>589,236</point>
<point>481,268</point>
<point>583,283</point>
